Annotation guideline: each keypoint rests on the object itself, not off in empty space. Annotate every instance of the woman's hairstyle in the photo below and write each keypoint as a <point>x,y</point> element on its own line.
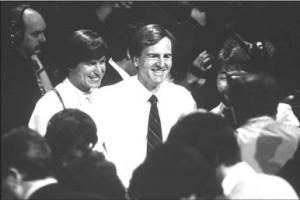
<point>84,46</point>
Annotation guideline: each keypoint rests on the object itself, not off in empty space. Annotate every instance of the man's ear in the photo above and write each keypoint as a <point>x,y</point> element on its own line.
<point>13,184</point>
<point>128,57</point>
<point>13,177</point>
<point>135,61</point>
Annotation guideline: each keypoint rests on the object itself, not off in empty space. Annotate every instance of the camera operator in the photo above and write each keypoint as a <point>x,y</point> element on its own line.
<point>238,57</point>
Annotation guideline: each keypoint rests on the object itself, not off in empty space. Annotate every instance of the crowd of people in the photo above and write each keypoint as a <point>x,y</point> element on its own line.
<point>150,100</point>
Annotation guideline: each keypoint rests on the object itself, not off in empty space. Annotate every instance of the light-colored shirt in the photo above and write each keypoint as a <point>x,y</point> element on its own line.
<point>121,71</point>
<point>266,145</point>
<point>123,117</point>
<point>37,184</point>
<point>263,186</point>
<point>239,172</point>
<point>284,114</point>
<point>50,104</point>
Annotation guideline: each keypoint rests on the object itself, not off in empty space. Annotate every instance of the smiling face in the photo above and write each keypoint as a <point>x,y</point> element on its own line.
<point>87,75</point>
<point>154,64</point>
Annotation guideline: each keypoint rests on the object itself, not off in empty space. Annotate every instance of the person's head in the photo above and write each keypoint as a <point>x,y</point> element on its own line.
<point>27,28</point>
<point>25,157</point>
<point>119,45</point>
<point>151,50</point>
<point>254,95</point>
<point>174,171</point>
<point>68,130</point>
<point>91,173</point>
<point>86,53</point>
<point>233,61</point>
<point>210,134</point>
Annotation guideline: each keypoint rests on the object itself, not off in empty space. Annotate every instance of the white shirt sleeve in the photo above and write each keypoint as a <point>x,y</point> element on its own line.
<point>45,108</point>
<point>286,115</point>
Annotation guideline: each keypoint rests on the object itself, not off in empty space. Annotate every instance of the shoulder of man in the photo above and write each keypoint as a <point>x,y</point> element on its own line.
<point>58,191</point>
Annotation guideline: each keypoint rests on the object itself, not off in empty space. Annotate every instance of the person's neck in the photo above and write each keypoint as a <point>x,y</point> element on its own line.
<point>29,187</point>
<point>148,86</point>
<point>127,66</point>
<point>75,84</point>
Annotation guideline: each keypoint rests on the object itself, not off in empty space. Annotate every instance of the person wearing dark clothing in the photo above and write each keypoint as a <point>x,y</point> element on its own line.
<point>27,168</point>
<point>71,134</point>
<point>290,171</point>
<point>20,88</point>
<point>175,171</point>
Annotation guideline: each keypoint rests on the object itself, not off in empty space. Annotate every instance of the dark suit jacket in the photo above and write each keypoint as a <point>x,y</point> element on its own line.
<point>57,191</point>
<point>111,76</point>
<point>19,91</point>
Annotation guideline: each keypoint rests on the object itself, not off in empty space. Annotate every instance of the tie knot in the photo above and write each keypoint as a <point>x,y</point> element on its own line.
<point>153,99</point>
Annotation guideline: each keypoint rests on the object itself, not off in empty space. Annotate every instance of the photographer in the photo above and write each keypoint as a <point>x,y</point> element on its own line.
<point>237,58</point>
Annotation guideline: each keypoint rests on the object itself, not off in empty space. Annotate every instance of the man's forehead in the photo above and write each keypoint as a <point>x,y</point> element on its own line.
<point>98,60</point>
<point>32,17</point>
<point>164,44</point>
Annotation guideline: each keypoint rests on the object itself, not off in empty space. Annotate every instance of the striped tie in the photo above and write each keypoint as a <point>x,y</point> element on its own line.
<point>154,127</point>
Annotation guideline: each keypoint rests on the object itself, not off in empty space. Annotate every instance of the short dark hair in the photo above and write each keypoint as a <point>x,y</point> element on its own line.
<point>119,44</point>
<point>232,57</point>
<point>254,95</point>
<point>70,129</point>
<point>210,134</point>
<point>28,152</point>
<point>84,45</point>
<point>174,171</point>
<point>147,36</point>
<point>90,172</point>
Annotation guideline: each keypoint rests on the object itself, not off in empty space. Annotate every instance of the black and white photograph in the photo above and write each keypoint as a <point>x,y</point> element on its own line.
<point>142,100</point>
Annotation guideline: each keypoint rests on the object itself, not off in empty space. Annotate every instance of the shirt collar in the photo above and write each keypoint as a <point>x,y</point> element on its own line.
<point>77,91</point>
<point>146,94</point>
<point>39,184</point>
<point>121,71</point>
<point>262,119</point>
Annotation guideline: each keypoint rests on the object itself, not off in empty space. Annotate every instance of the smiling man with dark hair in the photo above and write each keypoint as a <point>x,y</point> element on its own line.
<point>123,108</point>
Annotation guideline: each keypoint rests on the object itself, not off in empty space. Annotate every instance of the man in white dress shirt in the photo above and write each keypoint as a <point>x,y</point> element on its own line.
<point>85,67</point>
<point>123,109</point>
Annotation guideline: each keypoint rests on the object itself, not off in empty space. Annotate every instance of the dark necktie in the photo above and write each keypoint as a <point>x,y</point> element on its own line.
<point>154,127</point>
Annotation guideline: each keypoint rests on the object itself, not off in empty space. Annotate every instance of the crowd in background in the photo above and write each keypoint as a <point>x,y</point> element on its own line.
<point>227,83</point>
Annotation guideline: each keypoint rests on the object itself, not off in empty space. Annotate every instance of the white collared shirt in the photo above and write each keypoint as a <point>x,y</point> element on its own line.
<point>37,184</point>
<point>284,114</point>
<point>123,115</point>
<point>121,71</point>
<point>50,104</point>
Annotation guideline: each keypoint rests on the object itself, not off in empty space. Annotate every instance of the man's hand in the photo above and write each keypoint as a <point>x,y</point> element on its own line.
<point>203,61</point>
